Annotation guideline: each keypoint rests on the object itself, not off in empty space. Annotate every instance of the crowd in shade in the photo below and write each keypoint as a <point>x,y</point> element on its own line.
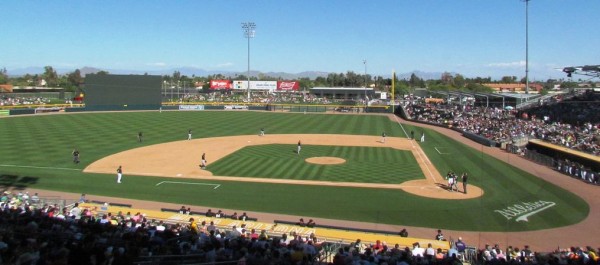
<point>572,122</point>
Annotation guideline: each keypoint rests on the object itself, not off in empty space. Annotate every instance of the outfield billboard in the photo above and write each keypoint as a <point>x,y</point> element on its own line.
<point>220,84</point>
<point>288,85</point>
<point>255,85</point>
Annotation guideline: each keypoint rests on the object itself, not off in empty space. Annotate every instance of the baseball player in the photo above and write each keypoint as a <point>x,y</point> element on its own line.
<point>299,147</point>
<point>383,135</point>
<point>450,182</point>
<point>75,156</point>
<point>203,161</point>
<point>190,134</point>
<point>119,174</point>
<point>262,132</point>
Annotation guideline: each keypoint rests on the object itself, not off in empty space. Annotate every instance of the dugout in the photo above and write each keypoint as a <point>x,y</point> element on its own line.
<point>122,92</point>
<point>546,153</point>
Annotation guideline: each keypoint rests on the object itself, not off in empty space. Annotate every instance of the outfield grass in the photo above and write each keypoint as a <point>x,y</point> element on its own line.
<point>35,152</point>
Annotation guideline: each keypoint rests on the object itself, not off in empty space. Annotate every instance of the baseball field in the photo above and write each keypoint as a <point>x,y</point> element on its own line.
<point>344,171</point>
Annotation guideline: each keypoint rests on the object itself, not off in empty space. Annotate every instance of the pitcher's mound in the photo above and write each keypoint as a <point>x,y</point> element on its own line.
<point>325,160</point>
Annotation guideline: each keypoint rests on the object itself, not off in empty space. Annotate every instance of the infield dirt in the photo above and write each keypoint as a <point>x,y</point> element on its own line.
<point>181,159</point>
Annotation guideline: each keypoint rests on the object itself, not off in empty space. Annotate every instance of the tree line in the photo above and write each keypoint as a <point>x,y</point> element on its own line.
<point>447,81</point>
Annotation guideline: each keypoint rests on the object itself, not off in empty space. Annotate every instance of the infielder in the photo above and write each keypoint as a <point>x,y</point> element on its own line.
<point>299,147</point>
<point>119,174</point>
<point>189,134</point>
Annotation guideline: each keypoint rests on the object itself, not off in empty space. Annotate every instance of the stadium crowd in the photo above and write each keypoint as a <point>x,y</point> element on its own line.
<point>34,233</point>
<point>571,121</point>
<point>17,101</point>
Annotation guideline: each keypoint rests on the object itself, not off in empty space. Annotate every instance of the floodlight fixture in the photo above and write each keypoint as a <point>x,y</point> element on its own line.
<point>249,32</point>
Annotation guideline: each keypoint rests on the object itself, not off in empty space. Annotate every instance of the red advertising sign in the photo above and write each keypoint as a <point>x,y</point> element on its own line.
<point>288,85</point>
<point>220,84</point>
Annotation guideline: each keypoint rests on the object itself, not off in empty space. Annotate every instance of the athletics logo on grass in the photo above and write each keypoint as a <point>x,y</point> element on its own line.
<point>524,209</point>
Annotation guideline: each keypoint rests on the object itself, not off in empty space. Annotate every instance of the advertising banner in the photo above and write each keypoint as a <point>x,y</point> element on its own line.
<point>240,84</point>
<point>191,107</point>
<point>220,84</point>
<point>288,85</point>
<point>235,107</point>
<point>255,85</point>
<point>263,85</point>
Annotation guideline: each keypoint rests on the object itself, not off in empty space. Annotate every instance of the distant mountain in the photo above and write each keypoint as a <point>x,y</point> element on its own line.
<point>24,71</point>
<point>420,74</point>
<point>193,71</point>
<point>88,70</point>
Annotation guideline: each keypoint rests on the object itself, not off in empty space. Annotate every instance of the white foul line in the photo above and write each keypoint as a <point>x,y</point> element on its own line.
<point>398,121</point>
<point>191,183</point>
<point>441,153</point>
<point>57,168</point>
<point>422,156</point>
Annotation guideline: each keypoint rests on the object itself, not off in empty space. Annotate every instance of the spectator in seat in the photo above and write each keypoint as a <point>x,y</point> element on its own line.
<point>439,256</point>
<point>417,250</point>
<point>460,245</point>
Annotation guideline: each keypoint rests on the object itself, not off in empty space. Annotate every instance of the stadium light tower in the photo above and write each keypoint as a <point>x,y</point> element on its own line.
<point>526,46</point>
<point>249,32</point>
<point>365,63</point>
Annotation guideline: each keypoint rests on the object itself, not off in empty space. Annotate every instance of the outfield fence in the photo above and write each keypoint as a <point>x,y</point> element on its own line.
<point>301,108</point>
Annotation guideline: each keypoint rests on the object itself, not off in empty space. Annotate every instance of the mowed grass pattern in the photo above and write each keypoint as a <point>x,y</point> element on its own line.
<point>280,161</point>
<point>35,151</point>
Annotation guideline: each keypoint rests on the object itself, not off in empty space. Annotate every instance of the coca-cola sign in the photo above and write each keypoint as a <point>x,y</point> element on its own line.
<point>288,85</point>
<point>220,84</point>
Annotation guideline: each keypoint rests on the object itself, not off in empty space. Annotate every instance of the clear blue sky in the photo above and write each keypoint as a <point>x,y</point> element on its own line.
<point>470,37</point>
